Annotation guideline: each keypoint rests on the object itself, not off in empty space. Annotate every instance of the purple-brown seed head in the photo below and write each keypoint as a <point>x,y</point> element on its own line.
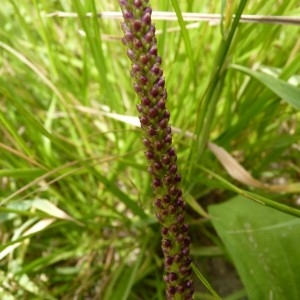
<point>149,84</point>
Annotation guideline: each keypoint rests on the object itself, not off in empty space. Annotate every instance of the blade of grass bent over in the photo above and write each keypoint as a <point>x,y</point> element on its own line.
<point>254,197</point>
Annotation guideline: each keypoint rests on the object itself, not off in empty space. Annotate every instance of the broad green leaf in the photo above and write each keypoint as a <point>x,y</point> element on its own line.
<point>263,244</point>
<point>282,89</point>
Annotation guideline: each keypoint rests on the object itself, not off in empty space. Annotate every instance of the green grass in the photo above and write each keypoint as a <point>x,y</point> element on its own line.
<point>76,201</point>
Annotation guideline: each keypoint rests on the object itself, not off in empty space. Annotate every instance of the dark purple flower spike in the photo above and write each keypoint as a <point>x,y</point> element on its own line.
<point>149,84</point>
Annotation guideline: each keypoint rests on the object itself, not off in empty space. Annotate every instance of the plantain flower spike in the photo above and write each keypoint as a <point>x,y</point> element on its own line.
<point>149,84</point>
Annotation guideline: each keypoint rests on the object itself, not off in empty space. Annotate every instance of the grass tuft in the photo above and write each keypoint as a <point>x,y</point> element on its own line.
<point>76,211</point>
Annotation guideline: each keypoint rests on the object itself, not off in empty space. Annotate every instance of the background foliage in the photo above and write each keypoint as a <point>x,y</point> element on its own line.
<point>76,203</point>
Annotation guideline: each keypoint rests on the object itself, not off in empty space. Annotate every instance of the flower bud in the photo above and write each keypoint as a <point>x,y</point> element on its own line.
<point>154,91</point>
<point>178,179</point>
<point>144,120</point>
<point>166,243</point>
<point>161,104</point>
<point>148,9</point>
<point>145,101</point>
<point>161,82</point>
<point>168,260</point>
<point>137,3</point>
<point>166,199</point>
<point>173,169</point>
<point>151,131</point>
<point>146,142</point>
<point>131,55</point>
<point>140,108</point>
<point>137,88</point>
<point>155,69</point>
<point>143,80</point>
<point>185,251</point>
<point>148,37</point>
<point>147,18</point>
<point>129,36</point>
<point>153,50</point>
<point>144,59</point>
<point>158,145</point>
<point>128,14</point>
<point>164,231</point>
<point>173,190</point>
<point>137,25</point>
<point>172,277</point>
<point>152,113</point>
<point>157,166</point>
<point>156,183</point>
<point>168,139</point>
<point>171,209</point>
<point>171,291</point>
<point>158,203</point>
<point>150,155</point>
<point>166,159</point>
<point>168,180</point>
<point>163,123</point>
<point>137,44</point>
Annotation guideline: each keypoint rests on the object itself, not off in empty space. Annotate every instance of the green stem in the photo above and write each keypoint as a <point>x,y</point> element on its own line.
<point>207,107</point>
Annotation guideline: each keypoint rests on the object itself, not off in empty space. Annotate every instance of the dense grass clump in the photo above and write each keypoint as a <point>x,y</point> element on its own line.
<point>76,215</point>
